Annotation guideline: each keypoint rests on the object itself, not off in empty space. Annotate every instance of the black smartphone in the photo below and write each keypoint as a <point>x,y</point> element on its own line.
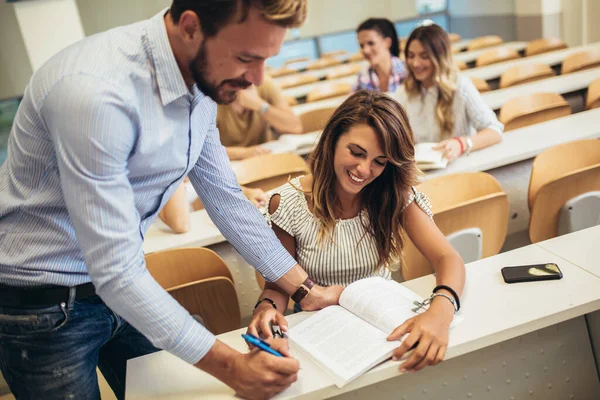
<point>530,273</point>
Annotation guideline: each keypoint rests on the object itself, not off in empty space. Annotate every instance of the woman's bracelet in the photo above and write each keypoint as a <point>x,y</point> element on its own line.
<point>427,301</point>
<point>452,292</point>
<point>462,146</point>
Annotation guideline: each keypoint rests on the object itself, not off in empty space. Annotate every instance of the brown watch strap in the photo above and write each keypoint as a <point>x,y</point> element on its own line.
<point>303,290</point>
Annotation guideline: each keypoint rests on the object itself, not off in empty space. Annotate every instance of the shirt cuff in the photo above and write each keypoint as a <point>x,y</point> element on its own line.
<point>193,343</point>
<point>277,265</point>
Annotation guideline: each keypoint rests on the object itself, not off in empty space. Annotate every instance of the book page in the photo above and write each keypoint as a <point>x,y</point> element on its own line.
<point>342,344</point>
<point>300,141</point>
<point>386,304</point>
<point>427,158</point>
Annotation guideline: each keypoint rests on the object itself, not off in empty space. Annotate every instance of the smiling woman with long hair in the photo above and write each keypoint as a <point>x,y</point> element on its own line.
<point>442,105</point>
<point>346,221</point>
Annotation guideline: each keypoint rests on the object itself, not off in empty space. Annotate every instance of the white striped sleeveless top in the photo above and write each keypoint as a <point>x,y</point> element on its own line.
<point>339,262</point>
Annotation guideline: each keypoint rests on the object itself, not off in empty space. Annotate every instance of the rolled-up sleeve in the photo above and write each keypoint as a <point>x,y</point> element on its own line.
<point>92,152</point>
<point>239,221</point>
<point>480,115</point>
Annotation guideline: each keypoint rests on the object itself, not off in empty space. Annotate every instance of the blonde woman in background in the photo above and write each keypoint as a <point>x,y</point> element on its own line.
<point>443,106</point>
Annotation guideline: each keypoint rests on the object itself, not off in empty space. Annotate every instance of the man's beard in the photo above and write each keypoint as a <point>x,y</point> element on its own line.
<point>200,72</point>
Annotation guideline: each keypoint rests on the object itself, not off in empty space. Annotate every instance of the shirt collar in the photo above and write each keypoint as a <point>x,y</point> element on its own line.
<point>170,82</point>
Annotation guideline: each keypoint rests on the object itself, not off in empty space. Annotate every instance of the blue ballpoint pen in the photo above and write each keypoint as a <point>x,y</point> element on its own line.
<point>261,344</point>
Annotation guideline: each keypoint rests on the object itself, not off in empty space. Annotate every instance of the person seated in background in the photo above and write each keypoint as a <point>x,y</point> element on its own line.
<point>344,222</point>
<point>379,45</point>
<point>176,213</point>
<point>250,119</point>
<point>442,105</point>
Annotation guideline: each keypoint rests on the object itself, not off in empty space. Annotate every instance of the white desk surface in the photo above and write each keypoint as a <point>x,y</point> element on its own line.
<point>552,58</point>
<point>493,312</point>
<point>321,73</point>
<point>526,143</point>
<point>579,248</point>
<point>202,233</point>
<point>470,56</point>
<point>303,90</point>
<point>315,105</point>
<point>560,84</point>
<point>302,65</point>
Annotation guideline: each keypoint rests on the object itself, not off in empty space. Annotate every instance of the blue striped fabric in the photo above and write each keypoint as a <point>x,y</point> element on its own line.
<point>106,132</point>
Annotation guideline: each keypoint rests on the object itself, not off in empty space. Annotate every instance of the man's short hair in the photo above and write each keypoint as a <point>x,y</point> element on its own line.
<point>215,14</point>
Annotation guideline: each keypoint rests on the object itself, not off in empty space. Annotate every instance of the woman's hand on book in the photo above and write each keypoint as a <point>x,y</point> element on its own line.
<point>265,316</point>
<point>321,297</point>
<point>429,332</point>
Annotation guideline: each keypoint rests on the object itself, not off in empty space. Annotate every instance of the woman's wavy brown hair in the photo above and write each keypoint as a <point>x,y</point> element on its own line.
<point>385,197</point>
<point>437,44</point>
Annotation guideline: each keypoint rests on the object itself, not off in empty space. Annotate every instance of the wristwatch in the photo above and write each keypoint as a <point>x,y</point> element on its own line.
<point>303,290</point>
<point>469,143</point>
<point>264,108</point>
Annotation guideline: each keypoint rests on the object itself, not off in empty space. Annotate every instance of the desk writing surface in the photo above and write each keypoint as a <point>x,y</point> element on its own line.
<point>525,143</point>
<point>470,56</point>
<point>322,73</point>
<point>315,105</point>
<point>560,84</point>
<point>303,90</point>
<point>551,58</point>
<point>202,233</point>
<point>493,312</point>
<point>461,44</point>
<point>580,248</point>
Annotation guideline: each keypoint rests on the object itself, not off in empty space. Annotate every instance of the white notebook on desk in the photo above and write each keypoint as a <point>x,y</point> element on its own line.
<point>346,341</point>
<point>427,158</point>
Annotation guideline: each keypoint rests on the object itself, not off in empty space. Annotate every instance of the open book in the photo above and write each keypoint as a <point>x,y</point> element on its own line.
<point>348,340</point>
<point>427,158</point>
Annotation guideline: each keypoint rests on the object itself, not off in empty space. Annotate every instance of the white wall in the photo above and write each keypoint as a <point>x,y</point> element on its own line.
<point>15,69</point>
<point>101,15</point>
<point>481,7</point>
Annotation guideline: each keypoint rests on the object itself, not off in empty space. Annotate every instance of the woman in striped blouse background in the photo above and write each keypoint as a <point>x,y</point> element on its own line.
<point>343,222</point>
<point>442,105</point>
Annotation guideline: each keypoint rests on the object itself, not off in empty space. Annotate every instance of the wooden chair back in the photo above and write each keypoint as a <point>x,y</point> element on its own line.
<point>586,59</point>
<point>292,101</point>
<point>334,53</point>
<point>344,70</point>
<point>461,65</point>
<point>555,162</point>
<point>328,90</point>
<point>201,282</point>
<point>324,63</point>
<point>593,95</point>
<point>315,120</point>
<point>494,56</point>
<point>484,41</point>
<point>461,201</point>
<point>524,74</point>
<point>532,109</point>
<point>544,45</point>
<point>558,174</point>
<point>296,80</point>
<point>283,71</point>
<point>356,57</point>
<point>269,171</point>
<point>454,37</point>
<point>480,84</point>
<point>296,60</point>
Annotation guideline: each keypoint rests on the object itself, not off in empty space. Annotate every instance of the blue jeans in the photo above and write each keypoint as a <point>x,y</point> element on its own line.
<point>52,352</point>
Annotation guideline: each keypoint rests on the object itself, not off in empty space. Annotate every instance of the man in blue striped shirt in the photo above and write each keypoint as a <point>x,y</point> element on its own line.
<point>107,130</point>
